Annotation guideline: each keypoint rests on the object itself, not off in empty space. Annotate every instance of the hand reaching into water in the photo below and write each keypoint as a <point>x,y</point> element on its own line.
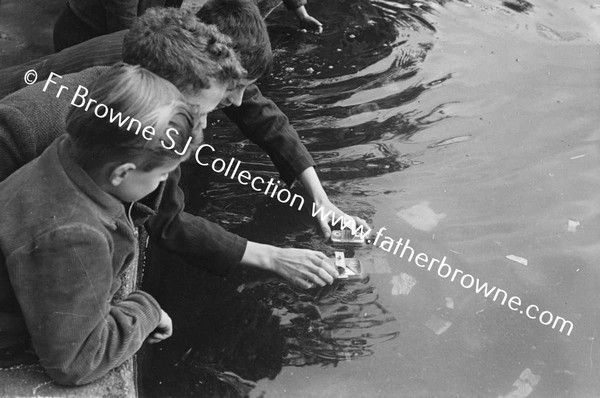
<point>338,219</point>
<point>302,267</point>
<point>307,22</point>
<point>329,212</point>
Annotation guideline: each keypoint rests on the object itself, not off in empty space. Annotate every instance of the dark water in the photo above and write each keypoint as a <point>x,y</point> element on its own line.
<point>472,129</point>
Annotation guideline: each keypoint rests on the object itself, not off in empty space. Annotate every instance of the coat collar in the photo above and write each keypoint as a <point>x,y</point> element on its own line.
<point>110,205</point>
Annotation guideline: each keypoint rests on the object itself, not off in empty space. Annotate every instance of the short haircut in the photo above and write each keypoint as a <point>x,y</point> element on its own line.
<point>241,20</point>
<point>137,94</point>
<point>175,45</point>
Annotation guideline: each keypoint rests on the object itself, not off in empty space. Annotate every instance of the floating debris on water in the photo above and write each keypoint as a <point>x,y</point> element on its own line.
<point>437,325</point>
<point>402,284</point>
<point>517,259</point>
<point>524,385</point>
<point>421,216</point>
<point>572,226</point>
<point>450,141</point>
<point>449,303</point>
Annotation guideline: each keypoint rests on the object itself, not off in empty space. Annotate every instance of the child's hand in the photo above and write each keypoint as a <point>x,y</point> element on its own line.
<point>307,22</point>
<point>311,24</point>
<point>341,220</point>
<point>163,331</point>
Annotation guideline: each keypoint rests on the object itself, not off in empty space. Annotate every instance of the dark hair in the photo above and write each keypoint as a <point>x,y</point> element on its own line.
<point>241,20</point>
<point>175,45</point>
<point>129,100</point>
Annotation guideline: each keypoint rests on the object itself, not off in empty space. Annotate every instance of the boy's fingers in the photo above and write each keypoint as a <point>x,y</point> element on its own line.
<point>158,337</point>
<point>152,340</point>
<point>325,229</point>
<point>329,269</point>
<point>303,283</point>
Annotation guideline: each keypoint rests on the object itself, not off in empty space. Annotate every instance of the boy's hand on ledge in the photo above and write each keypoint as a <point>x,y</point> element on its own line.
<point>163,331</point>
<point>307,22</point>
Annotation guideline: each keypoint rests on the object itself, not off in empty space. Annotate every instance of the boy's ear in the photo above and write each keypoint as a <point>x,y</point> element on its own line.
<point>120,173</point>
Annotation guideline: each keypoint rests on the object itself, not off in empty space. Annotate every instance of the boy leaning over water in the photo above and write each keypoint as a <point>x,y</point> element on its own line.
<point>68,228</point>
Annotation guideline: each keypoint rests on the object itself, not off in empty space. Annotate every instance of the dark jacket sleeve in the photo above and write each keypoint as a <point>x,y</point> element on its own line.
<point>199,241</point>
<point>263,123</point>
<point>15,148</point>
<point>293,4</point>
<point>99,51</point>
<point>31,119</point>
<point>120,14</point>
<point>65,296</point>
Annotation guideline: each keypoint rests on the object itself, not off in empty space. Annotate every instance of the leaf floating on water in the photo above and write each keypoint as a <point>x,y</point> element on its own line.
<point>524,385</point>
<point>572,226</point>
<point>517,259</point>
<point>402,284</point>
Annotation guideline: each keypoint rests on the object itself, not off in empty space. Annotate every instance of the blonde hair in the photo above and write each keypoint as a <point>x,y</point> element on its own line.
<point>132,100</point>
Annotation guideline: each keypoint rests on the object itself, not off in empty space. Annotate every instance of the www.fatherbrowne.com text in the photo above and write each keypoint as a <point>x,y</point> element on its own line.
<point>398,247</point>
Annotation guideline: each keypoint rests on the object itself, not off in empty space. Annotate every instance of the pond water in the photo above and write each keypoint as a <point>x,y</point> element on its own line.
<point>470,128</point>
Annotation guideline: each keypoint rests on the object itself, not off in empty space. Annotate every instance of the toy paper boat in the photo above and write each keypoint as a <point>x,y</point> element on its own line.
<point>348,268</point>
<point>346,237</point>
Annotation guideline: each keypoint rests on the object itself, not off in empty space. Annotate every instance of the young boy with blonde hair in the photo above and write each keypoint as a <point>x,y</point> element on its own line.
<point>68,228</point>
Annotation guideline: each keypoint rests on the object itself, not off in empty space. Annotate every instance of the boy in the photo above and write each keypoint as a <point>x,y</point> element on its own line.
<point>24,117</point>
<point>69,226</point>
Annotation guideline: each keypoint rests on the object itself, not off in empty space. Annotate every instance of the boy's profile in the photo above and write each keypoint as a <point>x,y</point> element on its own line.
<point>69,229</point>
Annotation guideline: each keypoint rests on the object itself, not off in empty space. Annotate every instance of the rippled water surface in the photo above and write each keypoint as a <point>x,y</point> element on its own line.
<point>470,128</point>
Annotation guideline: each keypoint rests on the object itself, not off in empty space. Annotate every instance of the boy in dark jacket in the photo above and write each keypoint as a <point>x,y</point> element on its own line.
<point>69,221</point>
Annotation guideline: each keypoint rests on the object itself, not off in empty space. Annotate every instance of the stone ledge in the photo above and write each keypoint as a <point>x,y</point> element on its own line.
<point>31,381</point>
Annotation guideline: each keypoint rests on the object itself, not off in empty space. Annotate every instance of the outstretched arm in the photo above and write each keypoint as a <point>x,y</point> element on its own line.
<point>302,267</point>
<point>312,184</point>
<point>220,252</point>
<point>265,124</point>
